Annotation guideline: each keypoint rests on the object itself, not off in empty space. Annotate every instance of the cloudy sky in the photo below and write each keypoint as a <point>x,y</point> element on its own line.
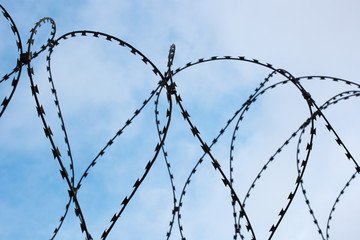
<point>101,84</point>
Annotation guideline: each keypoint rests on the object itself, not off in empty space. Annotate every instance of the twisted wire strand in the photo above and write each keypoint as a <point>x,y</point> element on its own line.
<point>244,108</point>
<point>252,98</point>
<point>215,163</point>
<point>332,101</point>
<point>49,134</point>
<point>186,115</point>
<point>168,84</point>
<point>301,129</point>
<point>63,128</point>
<point>19,63</point>
<point>119,132</point>
<point>337,201</point>
<point>168,165</point>
<point>148,167</point>
<point>313,131</point>
<point>47,129</point>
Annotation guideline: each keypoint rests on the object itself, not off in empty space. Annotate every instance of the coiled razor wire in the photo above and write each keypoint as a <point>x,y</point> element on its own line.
<point>242,221</point>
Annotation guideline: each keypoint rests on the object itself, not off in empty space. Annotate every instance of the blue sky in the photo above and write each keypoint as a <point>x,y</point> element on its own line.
<point>100,85</point>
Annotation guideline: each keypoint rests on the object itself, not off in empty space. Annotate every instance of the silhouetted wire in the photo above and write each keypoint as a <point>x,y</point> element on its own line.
<point>19,63</point>
<point>330,102</point>
<point>168,84</point>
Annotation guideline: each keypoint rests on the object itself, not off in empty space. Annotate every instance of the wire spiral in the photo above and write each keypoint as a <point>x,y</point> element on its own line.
<point>243,227</point>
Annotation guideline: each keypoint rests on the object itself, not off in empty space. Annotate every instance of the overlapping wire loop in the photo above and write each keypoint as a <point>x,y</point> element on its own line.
<point>242,221</point>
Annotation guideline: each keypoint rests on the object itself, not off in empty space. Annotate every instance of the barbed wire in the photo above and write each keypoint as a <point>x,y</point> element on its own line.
<point>167,83</point>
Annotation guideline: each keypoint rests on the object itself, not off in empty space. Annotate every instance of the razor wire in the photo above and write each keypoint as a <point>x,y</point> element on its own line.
<point>167,83</point>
